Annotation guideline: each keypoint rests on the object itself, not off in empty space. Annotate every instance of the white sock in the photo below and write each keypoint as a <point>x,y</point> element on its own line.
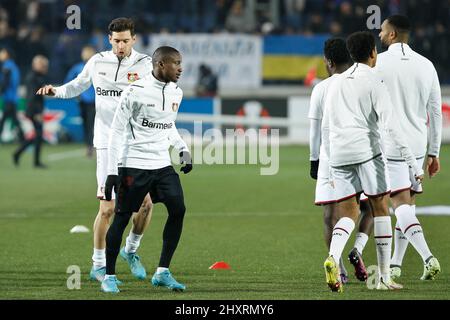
<point>400,245</point>
<point>412,230</point>
<point>132,243</point>
<point>382,232</point>
<point>99,258</point>
<point>107,276</point>
<point>341,234</point>
<point>161,269</point>
<point>360,241</point>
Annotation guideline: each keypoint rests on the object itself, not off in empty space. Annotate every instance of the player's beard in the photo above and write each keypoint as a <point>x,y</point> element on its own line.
<point>384,45</point>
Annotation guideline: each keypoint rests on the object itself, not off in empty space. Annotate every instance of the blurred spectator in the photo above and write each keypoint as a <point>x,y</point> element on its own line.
<point>39,26</point>
<point>292,12</point>
<point>29,44</point>
<point>207,82</point>
<point>7,36</point>
<point>239,19</point>
<point>316,24</point>
<point>35,109</point>
<point>65,54</point>
<point>86,100</point>
<point>346,17</point>
<point>9,84</point>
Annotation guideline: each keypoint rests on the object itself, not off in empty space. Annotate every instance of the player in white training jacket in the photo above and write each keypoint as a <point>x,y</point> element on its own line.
<point>146,118</point>
<point>337,60</point>
<point>414,88</point>
<point>357,105</point>
<point>110,72</point>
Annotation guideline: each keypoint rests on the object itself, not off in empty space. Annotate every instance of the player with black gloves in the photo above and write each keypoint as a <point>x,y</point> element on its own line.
<point>142,131</point>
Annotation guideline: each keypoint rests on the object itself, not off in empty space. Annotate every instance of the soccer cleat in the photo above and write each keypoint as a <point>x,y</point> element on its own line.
<point>97,274</point>
<point>356,260</point>
<point>396,271</point>
<point>431,269</point>
<point>136,267</point>
<point>344,278</point>
<point>332,275</point>
<point>390,285</point>
<point>165,279</point>
<point>110,285</point>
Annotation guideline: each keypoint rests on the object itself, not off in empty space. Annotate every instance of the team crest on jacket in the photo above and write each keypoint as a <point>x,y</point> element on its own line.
<point>175,107</point>
<point>132,76</point>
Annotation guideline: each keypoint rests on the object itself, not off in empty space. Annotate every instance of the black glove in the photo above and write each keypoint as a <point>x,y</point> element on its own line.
<point>111,182</point>
<point>314,169</point>
<point>185,158</point>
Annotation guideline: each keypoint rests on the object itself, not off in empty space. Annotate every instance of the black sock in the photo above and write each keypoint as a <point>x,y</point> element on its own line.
<point>172,229</point>
<point>114,239</point>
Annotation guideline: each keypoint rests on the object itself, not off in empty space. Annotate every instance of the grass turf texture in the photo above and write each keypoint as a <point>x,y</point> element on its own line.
<point>265,227</point>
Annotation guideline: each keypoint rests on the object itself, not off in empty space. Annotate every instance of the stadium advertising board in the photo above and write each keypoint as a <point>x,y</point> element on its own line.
<point>236,59</point>
<point>256,113</point>
<point>298,108</point>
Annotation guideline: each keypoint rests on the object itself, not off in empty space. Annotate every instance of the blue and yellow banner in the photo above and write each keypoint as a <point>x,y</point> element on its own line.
<point>293,57</point>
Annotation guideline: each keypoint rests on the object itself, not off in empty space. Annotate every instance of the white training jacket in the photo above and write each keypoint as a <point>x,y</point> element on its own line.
<point>315,114</point>
<point>145,118</point>
<point>356,103</point>
<point>413,85</point>
<point>109,77</point>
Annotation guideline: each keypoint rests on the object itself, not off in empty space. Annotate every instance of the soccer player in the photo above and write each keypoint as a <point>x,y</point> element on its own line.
<point>9,85</point>
<point>361,104</point>
<point>413,85</point>
<point>34,110</point>
<point>110,72</point>
<point>146,118</point>
<point>337,60</point>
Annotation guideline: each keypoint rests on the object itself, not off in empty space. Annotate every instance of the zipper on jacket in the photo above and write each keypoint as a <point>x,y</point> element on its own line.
<point>132,131</point>
<point>164,98</point>
<point>118,66</point>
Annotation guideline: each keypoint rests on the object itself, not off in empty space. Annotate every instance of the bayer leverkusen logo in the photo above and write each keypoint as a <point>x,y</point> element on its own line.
<point>132,76</point>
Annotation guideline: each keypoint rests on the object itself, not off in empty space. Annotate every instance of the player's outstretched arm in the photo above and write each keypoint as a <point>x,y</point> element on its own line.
<point>47,90</point>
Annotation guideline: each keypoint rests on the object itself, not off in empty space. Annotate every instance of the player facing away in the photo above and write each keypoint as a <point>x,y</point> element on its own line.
<point>337,60</point>
<point>413,85</point>
<point>357,105</point>
<point>110,72</point>
<point>146,118</point>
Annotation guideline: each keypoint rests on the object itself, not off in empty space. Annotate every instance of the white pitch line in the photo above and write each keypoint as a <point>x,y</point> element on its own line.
<point>422,211</point>
<point>66,154</point>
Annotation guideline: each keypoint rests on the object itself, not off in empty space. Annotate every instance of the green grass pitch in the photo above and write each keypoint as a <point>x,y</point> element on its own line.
<point>265,227</point>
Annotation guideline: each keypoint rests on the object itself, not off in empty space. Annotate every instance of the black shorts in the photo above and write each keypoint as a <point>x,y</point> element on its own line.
<point>162,184</point>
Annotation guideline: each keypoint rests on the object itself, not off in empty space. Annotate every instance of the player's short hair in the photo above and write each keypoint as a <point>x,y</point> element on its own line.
<point>360,45</point>
<point>336,51</point>
<point>122,24</point>
<point>162,53</point>
<point>400,23</point>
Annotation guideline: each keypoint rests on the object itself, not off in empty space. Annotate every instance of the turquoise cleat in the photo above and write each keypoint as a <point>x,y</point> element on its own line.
<point>110,285</point>
<point>136,267</point>
<point>165,279</point>
<point>99,275</point>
